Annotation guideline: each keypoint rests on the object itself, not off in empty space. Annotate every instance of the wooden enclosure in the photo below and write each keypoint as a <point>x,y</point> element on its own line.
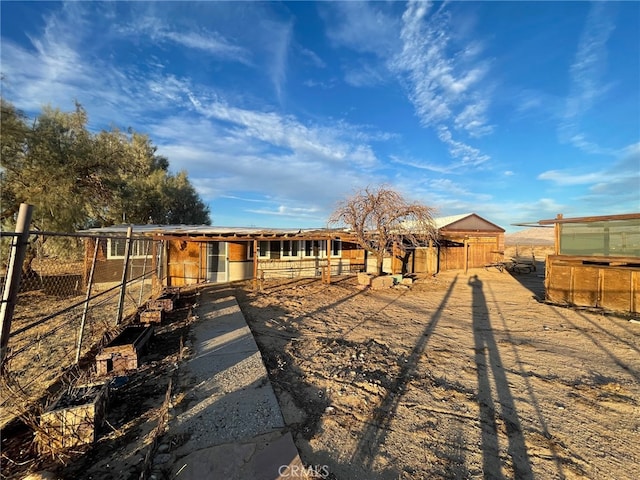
<point>465,241</point>
<point>596,262</point>
<point>578,281</point>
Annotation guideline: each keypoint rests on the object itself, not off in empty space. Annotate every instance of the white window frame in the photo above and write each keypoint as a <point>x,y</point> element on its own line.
<point>135,248</point>
<point>282,254</point>
<point>322,249</point>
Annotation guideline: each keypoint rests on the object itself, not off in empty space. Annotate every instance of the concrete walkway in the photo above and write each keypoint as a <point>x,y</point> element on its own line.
<point>230,416</point>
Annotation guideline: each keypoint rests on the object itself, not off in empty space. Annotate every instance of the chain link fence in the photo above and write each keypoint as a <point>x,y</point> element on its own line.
<point>75,294</point>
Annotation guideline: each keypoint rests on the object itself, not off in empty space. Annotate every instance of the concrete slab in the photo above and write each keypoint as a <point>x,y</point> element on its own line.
<point>270,457</point>
<point>230,416</point>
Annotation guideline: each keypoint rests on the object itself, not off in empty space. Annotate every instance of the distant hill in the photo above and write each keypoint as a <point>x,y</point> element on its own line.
<point>530,236</point>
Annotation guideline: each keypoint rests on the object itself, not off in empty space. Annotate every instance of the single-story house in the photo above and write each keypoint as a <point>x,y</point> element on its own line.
<point>596,262</point>
<point>189,254</point>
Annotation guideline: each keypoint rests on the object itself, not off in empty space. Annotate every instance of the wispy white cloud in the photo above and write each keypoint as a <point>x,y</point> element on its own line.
<point>441,81</point>
<point>279,50</point>
<point>586,78</point>
<point>451,188</point>
<point>567,177</point>
<point>325,85</point>
<point>288,211</point>
<point>468,156</point>
<point>444,86</point>
<point>617,186</point>
<point>365,75</point>
<point>313,57</point>
<point>543,206</point>
<point>473,119</point>
<point>159,31</point>
<point>444,76</point>
<point>366,27</point>
<point>423,165</point>
<point>287,132</point>
<point>231,149</point>
<point>210,42</point>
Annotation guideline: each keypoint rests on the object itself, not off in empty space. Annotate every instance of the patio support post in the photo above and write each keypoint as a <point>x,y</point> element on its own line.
<point>255,264</point>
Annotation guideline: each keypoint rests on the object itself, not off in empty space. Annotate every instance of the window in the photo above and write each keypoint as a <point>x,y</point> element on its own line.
<point>249,250</point>
<point>116,247</point>
<point>269,249</point>
<point>315,248</point>
<point>610,238</point>
<point>336,247</point>
<point>290,248</point>
<point>139,248</point>
<point>263,249</point>
<point>274,249</point>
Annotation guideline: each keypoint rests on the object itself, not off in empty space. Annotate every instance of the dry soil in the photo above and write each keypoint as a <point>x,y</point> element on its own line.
<point>461,375</point>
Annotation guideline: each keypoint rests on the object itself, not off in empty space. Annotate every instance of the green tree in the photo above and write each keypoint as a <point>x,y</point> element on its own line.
<point>76,179</point>
<point>56,171</point>
<point>13,144</point>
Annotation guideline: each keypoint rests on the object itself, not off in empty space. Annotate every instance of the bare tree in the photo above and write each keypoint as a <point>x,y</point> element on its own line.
<point>380,217</point>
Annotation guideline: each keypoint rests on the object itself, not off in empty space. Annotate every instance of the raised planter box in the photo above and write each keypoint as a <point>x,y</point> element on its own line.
<point>152,316</point>
<point>73,420</point>
<point>165,302</point>
<point>123,352</point>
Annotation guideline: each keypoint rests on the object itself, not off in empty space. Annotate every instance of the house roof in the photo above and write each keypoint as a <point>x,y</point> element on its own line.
<point>600,218</point>
<point>463,222</point>
<point>212,231</point>
<point>442,222</point>
<point>466,222</point>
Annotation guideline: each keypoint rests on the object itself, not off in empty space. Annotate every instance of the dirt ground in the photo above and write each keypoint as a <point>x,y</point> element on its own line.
<point>458,376</point>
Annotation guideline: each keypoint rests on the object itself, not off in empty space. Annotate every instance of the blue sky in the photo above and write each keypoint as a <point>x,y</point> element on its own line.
<point>514,110</point>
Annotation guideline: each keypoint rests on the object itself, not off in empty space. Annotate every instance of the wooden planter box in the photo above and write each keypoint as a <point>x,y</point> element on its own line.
<point>73,420</point>
<point>152,316</point>
<point>123,352</point>
<point>165,302</point>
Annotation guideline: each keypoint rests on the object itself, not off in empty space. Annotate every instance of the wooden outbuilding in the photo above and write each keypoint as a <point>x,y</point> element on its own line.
<point>596,262</point>
<point>464,241</point>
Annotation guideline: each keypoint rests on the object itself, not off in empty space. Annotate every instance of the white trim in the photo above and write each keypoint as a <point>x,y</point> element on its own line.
<point>136,245</point>
<point>301,252</point>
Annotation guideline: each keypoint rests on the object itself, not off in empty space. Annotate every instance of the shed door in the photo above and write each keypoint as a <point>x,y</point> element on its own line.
<point>217,262</point>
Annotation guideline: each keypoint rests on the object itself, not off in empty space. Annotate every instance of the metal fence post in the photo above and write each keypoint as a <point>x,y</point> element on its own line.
<point>144,272</point>
<point>125,271</point>
<point>88,297</point>
<point>14,273</point>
